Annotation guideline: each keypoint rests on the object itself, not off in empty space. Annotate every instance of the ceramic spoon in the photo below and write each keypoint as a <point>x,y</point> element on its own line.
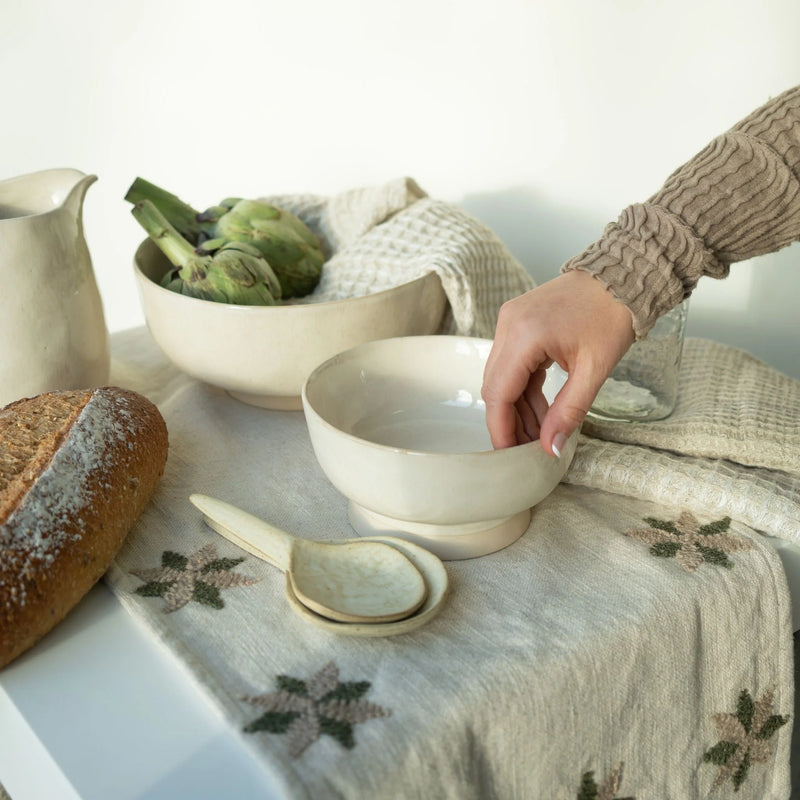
<point>354,581</point>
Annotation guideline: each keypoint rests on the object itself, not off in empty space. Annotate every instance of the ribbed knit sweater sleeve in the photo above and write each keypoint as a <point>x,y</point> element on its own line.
<point>736,199</point>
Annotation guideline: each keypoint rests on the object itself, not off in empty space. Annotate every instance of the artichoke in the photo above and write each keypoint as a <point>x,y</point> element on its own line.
<point>288,245</point>
<point>222,271</point>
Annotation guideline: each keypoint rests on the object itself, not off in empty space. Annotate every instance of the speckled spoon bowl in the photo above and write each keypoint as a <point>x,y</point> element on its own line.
<point>355,581</point>
<point>435,575</point>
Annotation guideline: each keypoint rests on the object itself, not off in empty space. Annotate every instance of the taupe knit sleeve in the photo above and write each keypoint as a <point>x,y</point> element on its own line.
<point>738,198</point>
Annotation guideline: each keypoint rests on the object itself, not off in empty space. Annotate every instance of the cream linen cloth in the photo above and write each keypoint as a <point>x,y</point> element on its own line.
<point>630,645</point>
<point>573,664</point>
<point>731,446</point>
<point>377,237</point>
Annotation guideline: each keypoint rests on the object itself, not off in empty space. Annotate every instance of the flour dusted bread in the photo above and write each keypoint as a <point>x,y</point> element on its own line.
<point>76,470</point>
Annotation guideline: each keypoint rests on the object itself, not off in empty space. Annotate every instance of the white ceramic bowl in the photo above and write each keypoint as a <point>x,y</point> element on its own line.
<point>399,428</point>
<point>263,354</point>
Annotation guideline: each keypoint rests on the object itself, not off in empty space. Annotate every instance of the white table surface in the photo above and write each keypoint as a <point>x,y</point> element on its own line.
<point>82,715</point>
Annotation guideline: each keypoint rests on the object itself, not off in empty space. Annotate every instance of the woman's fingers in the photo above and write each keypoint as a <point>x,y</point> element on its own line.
<point>572,320</point>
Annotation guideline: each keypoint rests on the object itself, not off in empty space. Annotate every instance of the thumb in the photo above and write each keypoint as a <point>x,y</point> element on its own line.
<point>568,409</point>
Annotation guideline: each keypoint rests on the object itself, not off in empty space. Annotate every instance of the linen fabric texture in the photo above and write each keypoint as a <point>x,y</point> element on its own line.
<point>378,237</point>
<point>584,657</point>
<point>573,651</point>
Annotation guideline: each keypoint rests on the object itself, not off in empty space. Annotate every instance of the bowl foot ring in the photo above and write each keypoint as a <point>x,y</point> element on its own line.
<point>273,402</point>
<point>448,542</point>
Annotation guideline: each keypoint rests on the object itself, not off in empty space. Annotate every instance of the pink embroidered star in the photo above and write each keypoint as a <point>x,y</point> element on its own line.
<point>691,543</point>
<point>744,737</point>
<point>607,791</point>
<point>304,710</point>
<point>200,576</point>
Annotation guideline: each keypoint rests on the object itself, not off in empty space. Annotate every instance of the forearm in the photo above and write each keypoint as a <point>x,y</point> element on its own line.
<point>736,199</point>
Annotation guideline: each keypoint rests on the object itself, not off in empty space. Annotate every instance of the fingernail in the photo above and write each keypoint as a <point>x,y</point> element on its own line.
<point>559,440</point>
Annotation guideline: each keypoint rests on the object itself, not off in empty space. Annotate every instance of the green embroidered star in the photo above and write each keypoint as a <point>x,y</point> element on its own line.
<point>304,710</point>
<point>591,791</point>
<point>744,738</point>
<point>199,577</point>
<point>691,543</point>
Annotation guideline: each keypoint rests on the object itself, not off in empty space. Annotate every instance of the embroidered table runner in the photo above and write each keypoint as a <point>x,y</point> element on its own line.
<point>624,647</point>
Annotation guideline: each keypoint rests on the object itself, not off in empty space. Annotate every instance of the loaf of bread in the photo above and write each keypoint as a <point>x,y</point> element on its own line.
<point>76,470</point>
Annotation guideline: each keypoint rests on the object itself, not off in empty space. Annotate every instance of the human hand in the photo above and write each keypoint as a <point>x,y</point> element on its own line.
<point>572,320</point>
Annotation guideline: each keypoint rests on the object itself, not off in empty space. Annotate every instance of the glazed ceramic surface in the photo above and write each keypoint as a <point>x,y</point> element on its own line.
<point>352,581</point>
<point>52,328</point>
<point>431,569</point>
<point>399,428</point>
<point>262,355</point>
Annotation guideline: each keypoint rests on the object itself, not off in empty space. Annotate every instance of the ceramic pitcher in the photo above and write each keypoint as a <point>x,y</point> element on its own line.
<point>53,333</point>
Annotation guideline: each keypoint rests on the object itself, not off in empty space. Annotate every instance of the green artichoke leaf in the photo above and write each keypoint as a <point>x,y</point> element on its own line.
<point>239,276</point>
<point>211,214</point>
<point>255,261</point>
<point>229,202</point>
<point>289,246</point>
<point>211,245</point>
<point>298,269</point>
<point>174,284</point>
<point>289,255</point>
<point>246,213</point>
<point>240,247</point>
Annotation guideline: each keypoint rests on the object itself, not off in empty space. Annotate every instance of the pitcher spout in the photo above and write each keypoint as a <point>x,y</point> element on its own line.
<point>43,192</point>
<point>73,202</point>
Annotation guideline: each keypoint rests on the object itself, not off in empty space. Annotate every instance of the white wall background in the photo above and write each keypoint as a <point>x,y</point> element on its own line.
<point>544,119</point>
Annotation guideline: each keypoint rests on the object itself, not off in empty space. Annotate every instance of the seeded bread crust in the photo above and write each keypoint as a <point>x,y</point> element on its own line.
<point>77,468</point>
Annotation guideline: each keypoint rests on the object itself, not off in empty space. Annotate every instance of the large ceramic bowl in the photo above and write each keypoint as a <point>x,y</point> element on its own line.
<point>263,354</point>
<point>399,428</point>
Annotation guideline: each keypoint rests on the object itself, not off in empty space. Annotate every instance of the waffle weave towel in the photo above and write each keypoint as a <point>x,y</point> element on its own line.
<point>378,237</point>
<point>732,444</point>
<point>730,405</point>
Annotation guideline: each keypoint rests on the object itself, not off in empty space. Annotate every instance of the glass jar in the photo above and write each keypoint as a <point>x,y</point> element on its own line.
<point>644,385</point>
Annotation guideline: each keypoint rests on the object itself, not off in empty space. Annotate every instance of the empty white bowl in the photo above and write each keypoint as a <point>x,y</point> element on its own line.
<point>263,354</point>
<point>398,426</point>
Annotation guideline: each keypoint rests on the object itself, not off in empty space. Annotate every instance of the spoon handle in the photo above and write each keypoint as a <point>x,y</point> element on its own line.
<point>249,532</point>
